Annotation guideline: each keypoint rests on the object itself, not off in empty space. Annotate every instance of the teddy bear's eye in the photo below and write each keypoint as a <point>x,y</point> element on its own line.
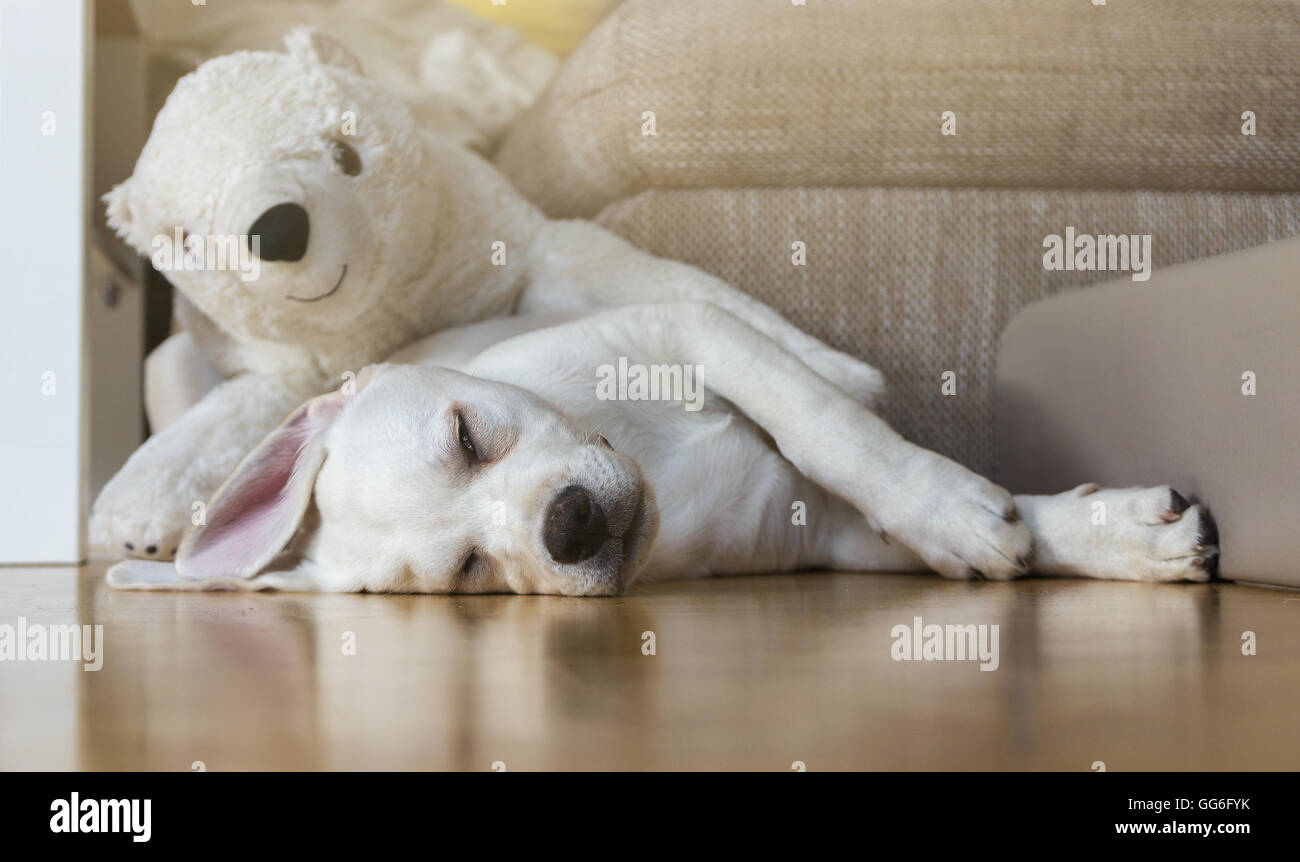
<point>346,158</point>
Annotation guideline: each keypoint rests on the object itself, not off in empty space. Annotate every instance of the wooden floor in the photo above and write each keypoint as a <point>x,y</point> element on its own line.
<point>749,673</point>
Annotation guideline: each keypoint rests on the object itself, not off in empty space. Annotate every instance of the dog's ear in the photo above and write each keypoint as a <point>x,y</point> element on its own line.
<point>259,507</point>
<point>306,41</point>
<point>153,575</point>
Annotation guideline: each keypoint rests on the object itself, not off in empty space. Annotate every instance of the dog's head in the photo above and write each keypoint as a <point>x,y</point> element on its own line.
<point>428,480</point>
<point>282,192</point>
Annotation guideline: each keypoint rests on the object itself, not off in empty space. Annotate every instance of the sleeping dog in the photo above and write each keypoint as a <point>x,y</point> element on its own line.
<point>488,459</point>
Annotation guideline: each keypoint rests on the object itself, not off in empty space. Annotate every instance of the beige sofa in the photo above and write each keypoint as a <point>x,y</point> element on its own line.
<point>1192,379</point>
<point>822,124</point>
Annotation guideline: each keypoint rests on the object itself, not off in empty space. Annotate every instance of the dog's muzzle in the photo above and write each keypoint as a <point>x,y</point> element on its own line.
<point>576,526</point>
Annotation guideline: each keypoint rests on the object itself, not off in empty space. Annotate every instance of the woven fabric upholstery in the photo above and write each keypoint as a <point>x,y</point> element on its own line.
<point>1047,94</point>
<point>922,281</point>
<point>822,123</point>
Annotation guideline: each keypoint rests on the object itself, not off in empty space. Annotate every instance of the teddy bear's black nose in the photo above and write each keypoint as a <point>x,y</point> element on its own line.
<point>283,231</point>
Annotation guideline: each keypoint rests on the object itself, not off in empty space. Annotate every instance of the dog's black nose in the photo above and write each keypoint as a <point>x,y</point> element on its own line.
<point>283,231</point>
<point>575,526</point>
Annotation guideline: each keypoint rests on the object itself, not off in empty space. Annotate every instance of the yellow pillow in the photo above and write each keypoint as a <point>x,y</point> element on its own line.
<point>557,25</point>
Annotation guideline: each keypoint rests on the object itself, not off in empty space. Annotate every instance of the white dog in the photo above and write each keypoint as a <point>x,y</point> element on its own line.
<point>366,242</point>
<point>500,463</point>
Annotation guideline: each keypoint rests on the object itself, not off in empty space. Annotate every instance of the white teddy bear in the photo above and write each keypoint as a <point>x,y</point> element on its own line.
<point>321,227</point>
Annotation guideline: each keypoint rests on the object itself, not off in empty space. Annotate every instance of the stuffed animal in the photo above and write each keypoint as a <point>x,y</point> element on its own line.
<point>313,226</point>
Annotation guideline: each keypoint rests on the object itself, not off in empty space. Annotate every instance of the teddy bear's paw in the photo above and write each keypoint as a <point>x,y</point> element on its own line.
<point>144,536</point>
<point>142,512</point>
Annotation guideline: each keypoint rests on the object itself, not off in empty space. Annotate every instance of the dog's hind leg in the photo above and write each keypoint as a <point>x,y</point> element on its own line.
<point>577,264</point>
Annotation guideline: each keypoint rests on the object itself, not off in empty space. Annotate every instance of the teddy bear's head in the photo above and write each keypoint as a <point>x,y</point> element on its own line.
<point>281,192</point>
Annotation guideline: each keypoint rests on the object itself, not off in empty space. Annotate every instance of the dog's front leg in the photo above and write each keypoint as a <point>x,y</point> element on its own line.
<point>149,504</point>
<point>959,523</point>
<point>580,266</point>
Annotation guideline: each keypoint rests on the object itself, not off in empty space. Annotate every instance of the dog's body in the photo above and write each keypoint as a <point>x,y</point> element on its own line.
<point>485,467</point>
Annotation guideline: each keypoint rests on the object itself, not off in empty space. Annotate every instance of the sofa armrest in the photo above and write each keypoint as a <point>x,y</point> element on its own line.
<point>1129,383</point>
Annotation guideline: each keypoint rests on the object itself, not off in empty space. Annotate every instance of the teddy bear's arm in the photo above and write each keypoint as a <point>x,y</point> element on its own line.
<point>177,375</point>
<point>145,509</point>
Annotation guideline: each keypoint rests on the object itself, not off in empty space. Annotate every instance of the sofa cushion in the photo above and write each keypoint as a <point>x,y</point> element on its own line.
<point>922,281</point>
<point>1124,385</point>
<point>1047,94</point>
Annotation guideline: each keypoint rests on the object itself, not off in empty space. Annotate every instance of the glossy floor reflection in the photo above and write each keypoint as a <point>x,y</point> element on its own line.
<point>749,673</point>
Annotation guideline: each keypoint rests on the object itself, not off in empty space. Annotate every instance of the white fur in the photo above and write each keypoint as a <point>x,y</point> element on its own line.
<point>176,377</point>
<point>399,503</point>
<point>1127,534</point>
<point>415,231</point>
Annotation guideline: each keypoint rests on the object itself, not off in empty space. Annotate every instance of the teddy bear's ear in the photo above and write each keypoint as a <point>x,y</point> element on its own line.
<point>310,43</point>
<point>120,218</point>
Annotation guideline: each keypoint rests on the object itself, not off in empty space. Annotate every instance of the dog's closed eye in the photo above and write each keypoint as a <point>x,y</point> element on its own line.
<point>465,439</point>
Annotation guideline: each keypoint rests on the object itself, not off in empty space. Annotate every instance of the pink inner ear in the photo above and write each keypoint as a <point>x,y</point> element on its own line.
<point>258,509</point>
<point>249,518</point>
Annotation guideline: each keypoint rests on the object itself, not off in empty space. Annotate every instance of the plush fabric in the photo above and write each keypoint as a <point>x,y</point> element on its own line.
<point>457,72</point>
<point>400,220</point>
<point>1050,94</point>
<point>252,130</point>
<point>922,281</point>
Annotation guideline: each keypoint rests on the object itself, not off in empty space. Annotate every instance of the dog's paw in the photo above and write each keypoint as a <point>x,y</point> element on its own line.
<point>962,525</point>
<point>1132,534</point>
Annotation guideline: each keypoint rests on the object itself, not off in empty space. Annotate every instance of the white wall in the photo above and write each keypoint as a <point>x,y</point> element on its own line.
<point>45,56</point>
